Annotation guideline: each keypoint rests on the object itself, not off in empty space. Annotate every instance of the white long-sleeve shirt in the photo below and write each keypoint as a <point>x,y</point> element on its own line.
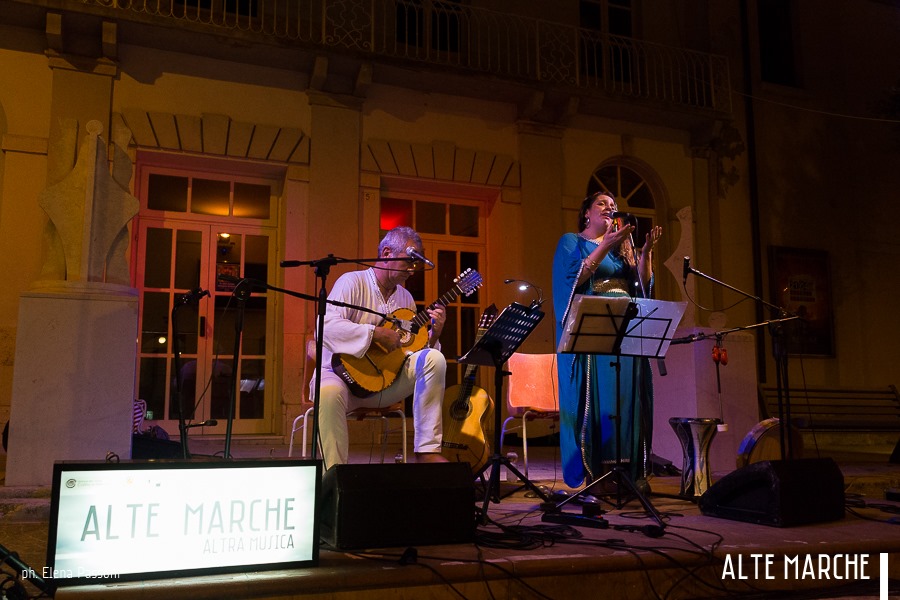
<point>348,330</point>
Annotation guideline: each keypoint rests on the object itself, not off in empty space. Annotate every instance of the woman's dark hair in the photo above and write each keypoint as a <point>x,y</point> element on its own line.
<point>586,204</point>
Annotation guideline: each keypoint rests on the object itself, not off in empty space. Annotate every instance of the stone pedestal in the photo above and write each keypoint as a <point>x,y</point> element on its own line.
<point>689,390</point>
<point>73,384</point>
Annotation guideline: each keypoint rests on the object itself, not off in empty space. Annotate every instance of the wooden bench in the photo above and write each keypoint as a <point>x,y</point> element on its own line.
<point>829,409</point>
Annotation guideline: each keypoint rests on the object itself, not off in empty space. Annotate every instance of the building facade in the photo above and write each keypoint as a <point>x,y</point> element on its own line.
<point>251,133</point>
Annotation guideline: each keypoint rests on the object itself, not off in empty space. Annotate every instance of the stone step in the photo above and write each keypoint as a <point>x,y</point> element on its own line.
<point>25,510</point>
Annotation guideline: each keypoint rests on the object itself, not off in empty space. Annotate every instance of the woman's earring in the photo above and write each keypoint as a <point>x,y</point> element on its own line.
<point>587,222</point>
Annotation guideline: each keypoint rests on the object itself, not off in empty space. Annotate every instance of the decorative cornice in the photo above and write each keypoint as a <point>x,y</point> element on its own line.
<point>440,161</point>
<point>217,135</point>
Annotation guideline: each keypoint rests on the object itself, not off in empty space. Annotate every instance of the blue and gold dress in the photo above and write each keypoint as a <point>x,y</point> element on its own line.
<point>587,382</point>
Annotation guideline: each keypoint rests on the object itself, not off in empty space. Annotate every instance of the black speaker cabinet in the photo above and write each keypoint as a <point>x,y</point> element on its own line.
<point>379,506</point>
<point>781,493</point>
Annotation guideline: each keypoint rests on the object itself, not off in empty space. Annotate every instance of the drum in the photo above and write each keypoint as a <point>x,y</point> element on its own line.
<point>695,435</point>
<point>763,442</point>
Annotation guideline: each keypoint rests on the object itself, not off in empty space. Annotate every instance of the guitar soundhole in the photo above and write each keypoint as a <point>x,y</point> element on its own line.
<point>405,337</point>
<point>460,411</point>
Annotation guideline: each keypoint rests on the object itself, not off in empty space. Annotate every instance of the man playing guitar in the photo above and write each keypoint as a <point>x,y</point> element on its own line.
<point>352,333</point>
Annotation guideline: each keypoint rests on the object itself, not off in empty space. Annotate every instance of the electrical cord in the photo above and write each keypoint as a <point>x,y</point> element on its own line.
<point>706,309</point>
<point>856,501</point>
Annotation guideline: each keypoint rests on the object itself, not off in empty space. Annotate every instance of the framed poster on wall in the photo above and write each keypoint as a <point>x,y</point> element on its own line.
<point>801,284</point>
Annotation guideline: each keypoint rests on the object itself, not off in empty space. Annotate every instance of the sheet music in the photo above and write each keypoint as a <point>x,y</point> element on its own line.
<point>504,336</point>
<point>595,322</point>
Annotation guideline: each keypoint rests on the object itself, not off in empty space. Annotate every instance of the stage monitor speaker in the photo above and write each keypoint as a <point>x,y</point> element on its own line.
<point>780,493</point>
<point>380,506</point>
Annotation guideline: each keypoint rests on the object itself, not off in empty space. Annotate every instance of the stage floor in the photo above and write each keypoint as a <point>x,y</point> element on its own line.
<point>518,555</point>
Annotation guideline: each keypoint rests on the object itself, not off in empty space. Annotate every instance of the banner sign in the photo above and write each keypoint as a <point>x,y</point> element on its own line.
<point>136,520</point>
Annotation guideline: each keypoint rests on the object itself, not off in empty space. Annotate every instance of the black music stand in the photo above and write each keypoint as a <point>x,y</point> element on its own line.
<point>619,326</point>
<point>493,349</point>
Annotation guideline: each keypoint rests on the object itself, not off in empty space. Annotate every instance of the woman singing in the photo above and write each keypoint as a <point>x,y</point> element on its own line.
<point>600,260</point>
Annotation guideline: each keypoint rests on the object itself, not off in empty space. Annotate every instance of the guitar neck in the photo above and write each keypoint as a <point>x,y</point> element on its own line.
<point>468,382</point>
<point>422,317</point>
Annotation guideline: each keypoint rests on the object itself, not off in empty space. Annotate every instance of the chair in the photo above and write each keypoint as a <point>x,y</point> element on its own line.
<point>396,409</point>
<point>532,393</point>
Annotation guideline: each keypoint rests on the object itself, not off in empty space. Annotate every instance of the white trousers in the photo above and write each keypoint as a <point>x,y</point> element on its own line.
<point>423,375</point>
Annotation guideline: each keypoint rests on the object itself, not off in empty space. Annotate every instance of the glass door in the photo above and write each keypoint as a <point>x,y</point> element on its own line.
<point>189,322</point>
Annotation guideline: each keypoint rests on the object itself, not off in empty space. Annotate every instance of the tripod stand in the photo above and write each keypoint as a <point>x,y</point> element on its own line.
<point>494,348</point>
<point>620,327</point>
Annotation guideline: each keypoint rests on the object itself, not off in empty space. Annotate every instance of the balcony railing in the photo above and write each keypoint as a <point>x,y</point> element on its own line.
<point>444,32</point>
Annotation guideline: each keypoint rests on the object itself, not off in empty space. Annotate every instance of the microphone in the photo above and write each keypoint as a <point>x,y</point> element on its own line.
<point>687,268</point>
<point>413,253</point>
<point>627,218</point>
<point>194,295</point>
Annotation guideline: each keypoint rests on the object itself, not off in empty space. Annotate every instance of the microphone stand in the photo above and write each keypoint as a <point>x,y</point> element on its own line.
<point>241,292</point>
<point>779,351</point>
<point>644,443</point>
<point>637,267</point>
<point>191,297</point>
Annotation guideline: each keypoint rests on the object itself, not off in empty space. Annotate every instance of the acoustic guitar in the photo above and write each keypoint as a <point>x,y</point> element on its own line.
<point>466,407</point>
<point>378,368</point>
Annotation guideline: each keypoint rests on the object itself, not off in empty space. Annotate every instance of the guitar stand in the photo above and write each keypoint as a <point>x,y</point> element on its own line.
<point>494,348</point>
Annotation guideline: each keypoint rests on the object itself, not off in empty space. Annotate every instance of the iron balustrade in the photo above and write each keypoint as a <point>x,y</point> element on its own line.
<point>468,38</point>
